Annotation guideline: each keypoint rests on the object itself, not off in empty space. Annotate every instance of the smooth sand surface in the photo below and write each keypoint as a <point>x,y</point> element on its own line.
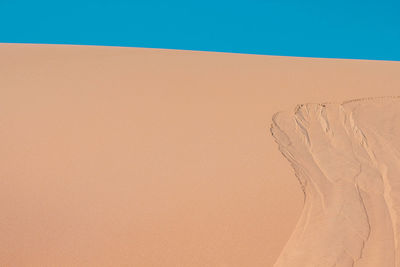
<point>146,157</point>
<point>347,159</point>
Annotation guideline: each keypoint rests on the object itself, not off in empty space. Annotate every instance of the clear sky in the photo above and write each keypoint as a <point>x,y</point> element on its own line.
<point>332,29</point>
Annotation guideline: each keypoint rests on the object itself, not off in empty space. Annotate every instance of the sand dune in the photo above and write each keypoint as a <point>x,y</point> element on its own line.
<point>347,159</point>
<point>117,156</point>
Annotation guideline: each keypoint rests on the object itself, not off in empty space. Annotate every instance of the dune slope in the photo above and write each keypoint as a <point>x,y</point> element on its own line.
<point>115,156</point>
<point>346,157</point>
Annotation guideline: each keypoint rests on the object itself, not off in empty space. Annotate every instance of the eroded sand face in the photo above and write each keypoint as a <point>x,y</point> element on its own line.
<point>346,157</point>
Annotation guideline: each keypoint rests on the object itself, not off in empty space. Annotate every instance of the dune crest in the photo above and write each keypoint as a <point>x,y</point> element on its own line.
<point>346,157</point>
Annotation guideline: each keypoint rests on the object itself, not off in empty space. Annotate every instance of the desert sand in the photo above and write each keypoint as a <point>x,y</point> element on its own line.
<point>346,157</point>
<point>146,157</point>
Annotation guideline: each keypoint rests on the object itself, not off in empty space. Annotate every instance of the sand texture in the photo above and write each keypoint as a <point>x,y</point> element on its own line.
<point>115,156</point>
<point>347,160</point>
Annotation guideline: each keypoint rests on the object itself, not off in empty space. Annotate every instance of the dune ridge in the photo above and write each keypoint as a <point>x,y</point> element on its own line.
<point>346,158</point>
<point>152,157</point>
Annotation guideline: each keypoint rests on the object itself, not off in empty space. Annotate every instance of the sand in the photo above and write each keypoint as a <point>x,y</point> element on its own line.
<point>346,157</point>
<point>146,157</point>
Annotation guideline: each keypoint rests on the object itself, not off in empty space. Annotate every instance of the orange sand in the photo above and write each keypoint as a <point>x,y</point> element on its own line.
<point>147,157</point>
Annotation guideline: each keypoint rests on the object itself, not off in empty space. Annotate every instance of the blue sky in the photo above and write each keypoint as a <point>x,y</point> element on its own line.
<point>330,29</point>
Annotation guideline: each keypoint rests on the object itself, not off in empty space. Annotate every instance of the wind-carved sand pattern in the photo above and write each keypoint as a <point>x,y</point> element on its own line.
<point>347,160</point>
